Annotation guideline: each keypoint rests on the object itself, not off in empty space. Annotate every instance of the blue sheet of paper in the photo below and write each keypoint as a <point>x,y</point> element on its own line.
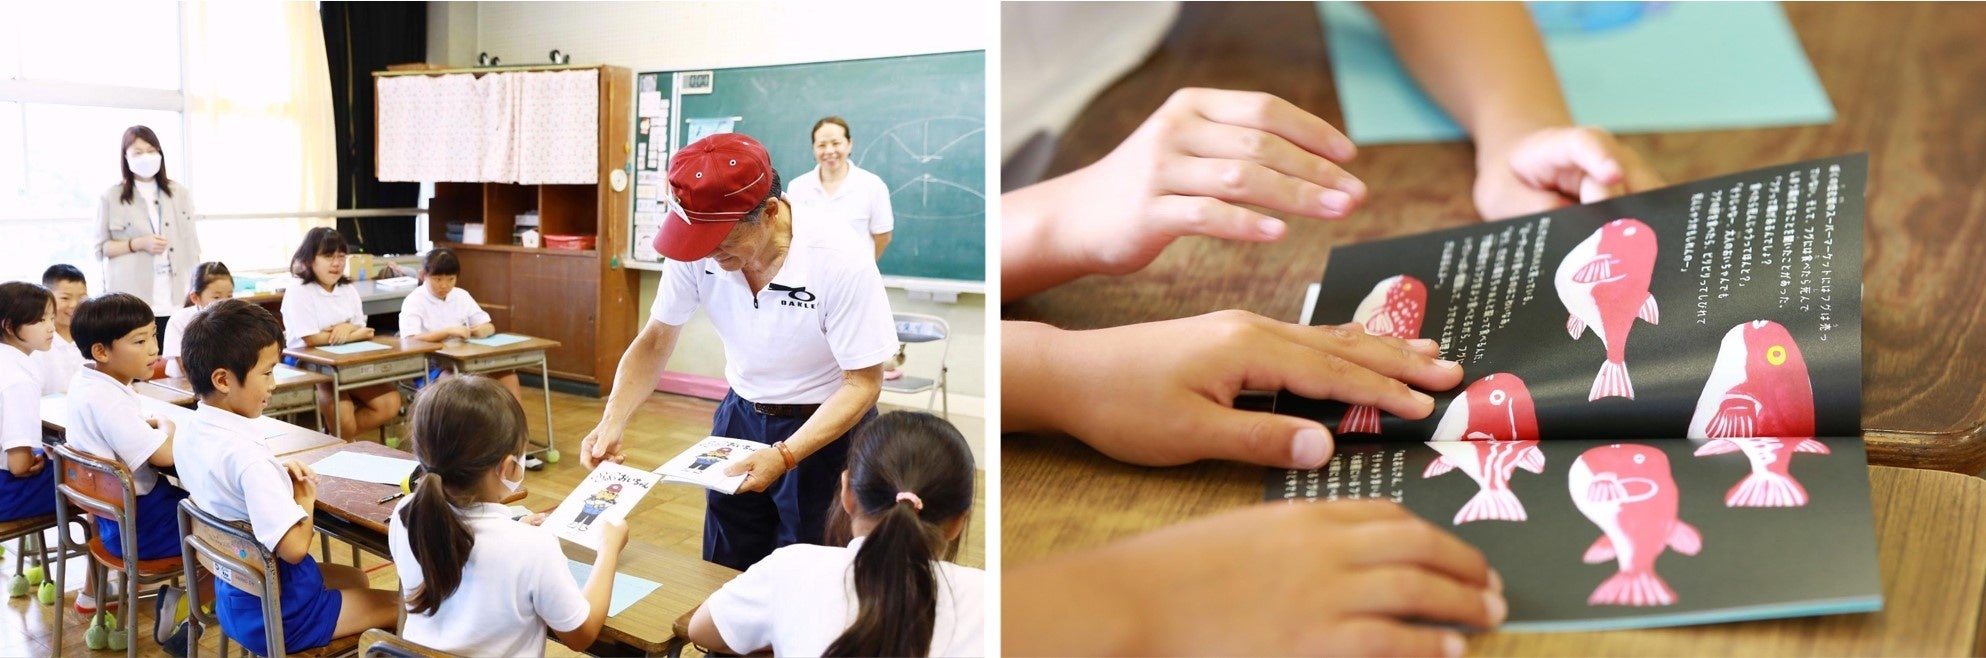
<point>627,589</point>
<point>365,468</point>
<point>353,348</point>
<point>499,340</point>
<point>1629,67</point>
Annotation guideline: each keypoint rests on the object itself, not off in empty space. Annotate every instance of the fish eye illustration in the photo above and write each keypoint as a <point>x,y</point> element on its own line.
<point>1776,355</point>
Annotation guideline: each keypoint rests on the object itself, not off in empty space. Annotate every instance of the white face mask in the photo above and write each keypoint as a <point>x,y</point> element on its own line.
<point>518,483</point>
<point>144,165</point>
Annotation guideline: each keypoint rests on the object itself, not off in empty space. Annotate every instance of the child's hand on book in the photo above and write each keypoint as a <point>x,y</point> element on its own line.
<point>1162,393</point>
<point>1556,167</point>
<point>613,535</point>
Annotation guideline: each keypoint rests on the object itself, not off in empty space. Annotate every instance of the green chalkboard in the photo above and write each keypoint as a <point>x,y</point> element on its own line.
<point>919,123</point>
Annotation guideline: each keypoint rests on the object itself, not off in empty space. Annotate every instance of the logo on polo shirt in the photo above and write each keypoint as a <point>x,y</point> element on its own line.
<point>798,297</point>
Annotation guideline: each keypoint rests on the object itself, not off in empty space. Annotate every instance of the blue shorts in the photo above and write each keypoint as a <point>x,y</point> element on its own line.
<point>739,530</point>
<point>157,521</point>
<point>30,496</point>
<point>310,612</point>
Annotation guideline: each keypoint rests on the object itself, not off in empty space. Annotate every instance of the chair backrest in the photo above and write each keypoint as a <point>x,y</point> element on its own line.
<point>377,643</point>
<point>100,486</point>
<point>920,328</point>
<point>228,550</point>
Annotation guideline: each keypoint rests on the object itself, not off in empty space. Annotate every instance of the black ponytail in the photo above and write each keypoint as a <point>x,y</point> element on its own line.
<point>462,428</point>
<point>912,473</point>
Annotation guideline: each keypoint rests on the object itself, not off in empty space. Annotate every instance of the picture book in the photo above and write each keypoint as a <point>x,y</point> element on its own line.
<point>609,492</point>
<point>704,463</point>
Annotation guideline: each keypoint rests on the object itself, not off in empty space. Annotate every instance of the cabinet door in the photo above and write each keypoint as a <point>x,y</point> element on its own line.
<point>486,275</point>
<point>556,297</point>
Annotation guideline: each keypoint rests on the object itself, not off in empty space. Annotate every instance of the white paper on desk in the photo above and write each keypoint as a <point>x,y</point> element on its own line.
<point>609,492</point>
<point>627,589</point>
<point>285,373</point>
<point>365,468</point>
<point>499,340</point>
<point>353,348</point>
<point>704,463</point>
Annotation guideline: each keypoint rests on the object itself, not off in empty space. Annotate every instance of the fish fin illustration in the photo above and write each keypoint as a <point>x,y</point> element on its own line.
<point>1575,326</point>
<point>1766,489</point>
<point>1498,504</point>
<point>1812,446</point>
<point>1532,459</point>
<point>1380,324</point>
<point>1684,538</point>
<point>1360,419</point>
<point>1649,312</point>
<point>1732,421</point>
<point>1439,466</point>
<point>1612,382</point>
<point>1633,588</point>
<point>1600,551</point>
<point>1601,268</point>
<point>1717,447</point>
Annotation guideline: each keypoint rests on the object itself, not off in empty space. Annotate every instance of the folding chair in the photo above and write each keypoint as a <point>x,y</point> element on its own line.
<point>228,550</point>
<point>919,328</point>
<point>103,489</point>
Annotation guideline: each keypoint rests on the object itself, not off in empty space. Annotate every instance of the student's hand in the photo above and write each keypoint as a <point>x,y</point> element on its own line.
<point>536,518</point>
<point>1162,393</point>
<point>156,244</point>
<point>613,535</point>
<point>761,469</point>
<point>1198,166</point>
<point>363,333</point>
<point>1354,578</point>
<point>303,483</point>
<point>34,467</point>
<point>340,334</point>
<point>1557,167</point>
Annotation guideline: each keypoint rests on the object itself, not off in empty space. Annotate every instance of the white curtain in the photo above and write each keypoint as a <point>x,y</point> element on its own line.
<point>261,136</point>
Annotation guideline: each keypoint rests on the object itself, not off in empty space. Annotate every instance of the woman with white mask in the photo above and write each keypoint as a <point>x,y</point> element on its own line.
<point>144,228</point>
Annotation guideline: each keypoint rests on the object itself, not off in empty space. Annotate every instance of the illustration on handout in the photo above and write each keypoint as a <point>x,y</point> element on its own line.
<point>1759,401</point>
<point>1627,490</point>
<point>1603,283</point>
<point>1495,408</point>
<point>1490,464</point>
<point>1394,308</point>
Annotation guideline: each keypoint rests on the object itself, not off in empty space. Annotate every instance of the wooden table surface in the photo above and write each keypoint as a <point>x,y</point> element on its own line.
<point>1911,103</point>
<point>178,387</point>
<point>397,348</point>
<point>462,350</point>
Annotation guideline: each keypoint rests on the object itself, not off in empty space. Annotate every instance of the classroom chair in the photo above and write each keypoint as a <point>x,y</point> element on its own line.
<point>228,550</point>
<point>102,488</point>
<point>376,643</point>
<point>31,558</point>
<point>919,328</point>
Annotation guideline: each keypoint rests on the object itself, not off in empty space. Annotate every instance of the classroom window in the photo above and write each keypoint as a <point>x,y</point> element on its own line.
<point>128,44</point>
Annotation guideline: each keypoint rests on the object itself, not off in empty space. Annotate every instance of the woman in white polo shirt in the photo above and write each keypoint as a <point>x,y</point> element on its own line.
<point>841,192</point>
<point>144,228</point>
<point>806,327</point>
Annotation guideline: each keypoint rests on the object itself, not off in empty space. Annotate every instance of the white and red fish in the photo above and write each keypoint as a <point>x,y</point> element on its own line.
<point>1603,282</point>
<point>1759,400</point>
<point>1394,308</point>
<point>1495,408</point>
<point>1627,490</point>
<point>1490,464</point>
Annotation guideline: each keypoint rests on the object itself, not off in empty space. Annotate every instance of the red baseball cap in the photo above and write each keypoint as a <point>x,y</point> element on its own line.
<point>713,184</point>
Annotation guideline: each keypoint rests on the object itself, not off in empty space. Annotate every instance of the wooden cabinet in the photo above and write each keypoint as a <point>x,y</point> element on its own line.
<point>583,299</point>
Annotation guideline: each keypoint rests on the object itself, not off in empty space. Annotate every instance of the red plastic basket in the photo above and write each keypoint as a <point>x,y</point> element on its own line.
<point>569,242</point>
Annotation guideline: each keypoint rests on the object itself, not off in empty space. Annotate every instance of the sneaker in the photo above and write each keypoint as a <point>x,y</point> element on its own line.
<point>175,646</point>
<point>87,604</point>
<point>167,610</point>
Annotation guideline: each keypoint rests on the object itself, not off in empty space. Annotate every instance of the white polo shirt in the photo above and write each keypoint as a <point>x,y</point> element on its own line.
<point>230,473</point>
<point>825,312</point>
<point>800,598</point>
<point>862,202</point>
<point>105,420</point>
<point>175,333</point>
<point>422,312</point>
<point>20,400</point>
<point>514,586</point>
<point>57,365</point>
<point>308,308</point>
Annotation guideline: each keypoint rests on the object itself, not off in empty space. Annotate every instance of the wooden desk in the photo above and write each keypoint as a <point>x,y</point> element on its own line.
<point>176,396</point>
<point>296,391</point>
<point>1910,104</point>
<point>349,509</point>
<point>403,359</point>
<point>1930,544</point>
<point>464,356</point>
<point>282,438</point>
<point>649,626</point>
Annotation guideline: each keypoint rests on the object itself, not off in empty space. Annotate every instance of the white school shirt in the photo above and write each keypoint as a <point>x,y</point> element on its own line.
<point>309,309</point>
<point>105,420</point>
<point>57,365</point>
<point>175,333</point>
<point>20,400</point>
<point>862,202</point>
<point>422,312</point>
<point>825,312</point>
<point>801,597</point>
<point>514,586</point>
<point>230,473</point>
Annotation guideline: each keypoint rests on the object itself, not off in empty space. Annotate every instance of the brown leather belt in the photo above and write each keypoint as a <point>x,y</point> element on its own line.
<point>786,410</point>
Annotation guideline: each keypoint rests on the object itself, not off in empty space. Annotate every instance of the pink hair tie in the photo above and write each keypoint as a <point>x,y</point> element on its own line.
<point>915,502</point>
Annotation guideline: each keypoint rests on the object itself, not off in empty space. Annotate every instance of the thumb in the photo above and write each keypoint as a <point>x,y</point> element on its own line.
<point>1261,438</point>
<point>741,466</point>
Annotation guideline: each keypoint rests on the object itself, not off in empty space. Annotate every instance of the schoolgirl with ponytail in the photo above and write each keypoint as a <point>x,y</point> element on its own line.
<point>891,591</point>
<point>474,581</point>
<point>211,282</point>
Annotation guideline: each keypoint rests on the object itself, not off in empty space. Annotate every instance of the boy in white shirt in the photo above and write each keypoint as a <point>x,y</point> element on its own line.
<point>230,354</point>
<point>62,359</point>
<point>439,312</point>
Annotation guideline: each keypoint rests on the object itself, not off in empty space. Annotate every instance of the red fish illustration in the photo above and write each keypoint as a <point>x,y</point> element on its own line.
<point>1490,464</point>
<point>1627,490</point>
<point>1759,401</point>
<point>1495,408</point>
<point>1394,308</point>
<point>1603,282</point>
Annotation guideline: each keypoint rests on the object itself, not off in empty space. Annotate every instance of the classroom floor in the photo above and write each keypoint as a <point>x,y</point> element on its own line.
<point>671,518</point>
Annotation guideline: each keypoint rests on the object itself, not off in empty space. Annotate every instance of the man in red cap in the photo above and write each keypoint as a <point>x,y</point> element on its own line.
<point>806,326</point>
